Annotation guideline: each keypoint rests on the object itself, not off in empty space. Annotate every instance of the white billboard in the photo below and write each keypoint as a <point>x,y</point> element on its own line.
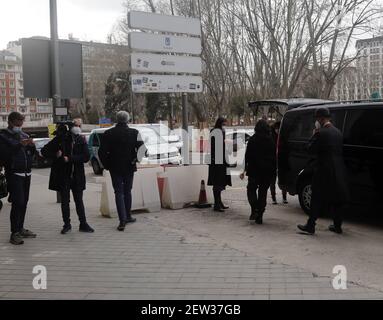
<point>164,23</point>
<point>146,83</point>
<point>148,62</point>
<point>139,41</point>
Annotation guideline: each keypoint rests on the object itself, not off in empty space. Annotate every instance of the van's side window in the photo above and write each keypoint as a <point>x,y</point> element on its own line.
<point>302,126</point>
<point>96,141</point>
<point>364,128</point>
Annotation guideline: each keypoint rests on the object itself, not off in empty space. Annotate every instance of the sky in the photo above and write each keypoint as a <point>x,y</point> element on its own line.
<point>88,20</point>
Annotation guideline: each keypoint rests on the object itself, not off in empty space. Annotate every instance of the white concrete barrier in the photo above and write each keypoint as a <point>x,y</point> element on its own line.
<point>145,192</point>
<point>182,185</point>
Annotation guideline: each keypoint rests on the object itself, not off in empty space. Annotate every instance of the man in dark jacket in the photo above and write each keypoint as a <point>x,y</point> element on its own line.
<point>218,177</point>
<point>329,184</point>
<point>118,154</point>
<point>260,167</point>
<point>17,150</point>
<point>69,151</point>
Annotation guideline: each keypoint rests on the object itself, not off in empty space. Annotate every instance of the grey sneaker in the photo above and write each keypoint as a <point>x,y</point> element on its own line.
<point>16,239</point>
<point>27,234</point>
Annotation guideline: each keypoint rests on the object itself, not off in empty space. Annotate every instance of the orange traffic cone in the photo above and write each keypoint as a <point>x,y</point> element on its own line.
<point>202,201</point>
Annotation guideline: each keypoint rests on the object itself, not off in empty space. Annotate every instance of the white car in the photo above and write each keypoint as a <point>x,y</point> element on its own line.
<point>158,152</point>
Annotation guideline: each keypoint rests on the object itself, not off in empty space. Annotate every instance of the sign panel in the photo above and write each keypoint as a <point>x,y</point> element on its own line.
<point>37,68</point>
<point>139,41</point>
<point>147,62</point>
<point>105,122</point>
<point>146,83</point>
<point>165,23</point>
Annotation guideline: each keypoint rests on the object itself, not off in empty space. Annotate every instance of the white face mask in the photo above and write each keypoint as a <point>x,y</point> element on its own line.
<point>317,125</point>
<point>16,129</point>
<point>76,130</point>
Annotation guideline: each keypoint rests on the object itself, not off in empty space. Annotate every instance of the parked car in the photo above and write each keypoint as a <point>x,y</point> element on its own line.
<point>38,160</point>
<point>158,150</point>
<point>165,133</point>
<point>362,127</point>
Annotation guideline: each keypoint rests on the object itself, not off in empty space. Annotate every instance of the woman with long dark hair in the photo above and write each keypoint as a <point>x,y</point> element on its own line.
<point>218,177</point>
<point>260,167</point>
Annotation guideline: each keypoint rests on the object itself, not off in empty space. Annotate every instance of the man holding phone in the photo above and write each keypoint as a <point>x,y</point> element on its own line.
<point>17,150</point>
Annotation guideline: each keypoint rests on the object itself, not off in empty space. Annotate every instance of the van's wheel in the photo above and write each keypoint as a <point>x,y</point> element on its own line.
<point>304,196</point>
<point>96,167</point>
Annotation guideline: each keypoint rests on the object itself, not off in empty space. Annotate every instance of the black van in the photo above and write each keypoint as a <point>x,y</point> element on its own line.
<point>362,127</point>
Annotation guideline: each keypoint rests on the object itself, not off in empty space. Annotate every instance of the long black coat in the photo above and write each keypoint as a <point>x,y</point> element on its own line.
<point>119,148</point>
<point>72,172</point>
<point>218,166</point>
<point>260,158</point>
<point>329,184</point>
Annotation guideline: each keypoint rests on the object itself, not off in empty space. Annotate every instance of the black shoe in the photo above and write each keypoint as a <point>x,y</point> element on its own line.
<point>131,220</point>
<point>218,209</point>
<point>223,206</point>
<point>253,216</point>
<point>121,226</point>
<point>66,228</point>
<point>275,202</point>
<point>84,227</point>
<point>334,229</point>
<point>16,239</point>
<point>306,229</point>
<point>285,202</point>
<point>259,220</point>
<point>27,234</point>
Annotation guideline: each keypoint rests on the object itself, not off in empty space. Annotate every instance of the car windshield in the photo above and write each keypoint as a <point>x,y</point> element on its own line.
<point>41,143</point>
<point>150,137</point>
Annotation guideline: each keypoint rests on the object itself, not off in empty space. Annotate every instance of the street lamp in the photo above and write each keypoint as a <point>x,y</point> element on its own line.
<point>131,96</point>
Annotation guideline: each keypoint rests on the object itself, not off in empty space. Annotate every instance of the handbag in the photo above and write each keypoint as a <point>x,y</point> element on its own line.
<point>3,186</point>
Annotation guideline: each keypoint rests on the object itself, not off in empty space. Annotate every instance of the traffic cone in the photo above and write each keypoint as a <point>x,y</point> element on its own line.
<point>202,201</point>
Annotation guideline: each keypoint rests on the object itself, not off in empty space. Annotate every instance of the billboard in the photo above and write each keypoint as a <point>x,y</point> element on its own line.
<point>149,42</point>
<point>37,68</point>
<point>164,23</point>
<point>146,83</point>
<point>147,62</point>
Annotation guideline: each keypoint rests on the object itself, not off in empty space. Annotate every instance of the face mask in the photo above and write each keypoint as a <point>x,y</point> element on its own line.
<point>317,125</point>
<point>76,130</point>
<point>16,129</point>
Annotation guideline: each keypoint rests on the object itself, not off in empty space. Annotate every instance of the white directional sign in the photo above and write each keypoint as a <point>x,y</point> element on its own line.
<point>139,41</point>
<point>145,83</point>
<point>147,62</point>
<point>164,23</point>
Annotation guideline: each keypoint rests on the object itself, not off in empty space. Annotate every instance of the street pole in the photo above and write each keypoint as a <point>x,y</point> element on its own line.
<point>185,132</point>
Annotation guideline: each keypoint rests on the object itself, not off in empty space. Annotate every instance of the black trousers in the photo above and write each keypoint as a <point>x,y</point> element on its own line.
<point>18,188</point>
<point>319,206</point>
<point>273,190</point>
<point>257,195</point>
<point>217,190</point>
<point>65,203</point>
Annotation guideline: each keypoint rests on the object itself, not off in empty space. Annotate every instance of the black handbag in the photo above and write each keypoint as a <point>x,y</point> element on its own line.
<point>3,186</point>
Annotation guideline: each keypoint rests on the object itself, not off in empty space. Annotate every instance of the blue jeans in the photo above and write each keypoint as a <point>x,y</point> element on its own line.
<point>122,185</point>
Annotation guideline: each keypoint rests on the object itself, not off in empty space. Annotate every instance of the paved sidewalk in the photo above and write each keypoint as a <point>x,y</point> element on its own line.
<point>147,261</point>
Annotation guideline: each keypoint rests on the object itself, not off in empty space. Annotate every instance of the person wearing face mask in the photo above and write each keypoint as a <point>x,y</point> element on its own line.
<point>69,152</point>
<point>275,133</point>
<point>17,151</point>
<point>330,191</point>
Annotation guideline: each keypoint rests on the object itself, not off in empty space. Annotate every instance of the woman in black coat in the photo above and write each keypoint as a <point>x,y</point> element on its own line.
<point>260,167</point>
<point>218,177</point>
<point>69,151</point>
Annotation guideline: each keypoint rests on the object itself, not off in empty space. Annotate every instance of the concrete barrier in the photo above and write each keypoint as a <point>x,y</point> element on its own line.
<point>182,185</point>
<point>145,192</point>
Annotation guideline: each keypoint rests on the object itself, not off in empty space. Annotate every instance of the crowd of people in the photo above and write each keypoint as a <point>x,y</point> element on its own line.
<point>118,153</point>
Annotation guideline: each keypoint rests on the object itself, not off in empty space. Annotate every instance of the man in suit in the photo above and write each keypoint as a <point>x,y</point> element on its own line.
<point>330,192</point>
<point>17,150</point>
<point>118,154</point>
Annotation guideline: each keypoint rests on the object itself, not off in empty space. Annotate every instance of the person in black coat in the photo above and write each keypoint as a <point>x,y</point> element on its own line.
<point>260,167</point>
<point>16,153</point>
<point>119,154</point>
<point>275,133</point>
<point>69,151</point>
<point>218,177</point>
<point>329,186</point>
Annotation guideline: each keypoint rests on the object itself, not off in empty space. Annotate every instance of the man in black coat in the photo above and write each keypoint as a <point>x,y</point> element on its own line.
<point>330,189</point>
<point>260,167</point>
<point>118,154</point>
<point>16,152</point>
<point>218,177</point>
<point>69,151</point>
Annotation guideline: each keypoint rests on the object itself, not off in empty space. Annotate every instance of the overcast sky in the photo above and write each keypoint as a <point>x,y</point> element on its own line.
<point>85,19</point>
